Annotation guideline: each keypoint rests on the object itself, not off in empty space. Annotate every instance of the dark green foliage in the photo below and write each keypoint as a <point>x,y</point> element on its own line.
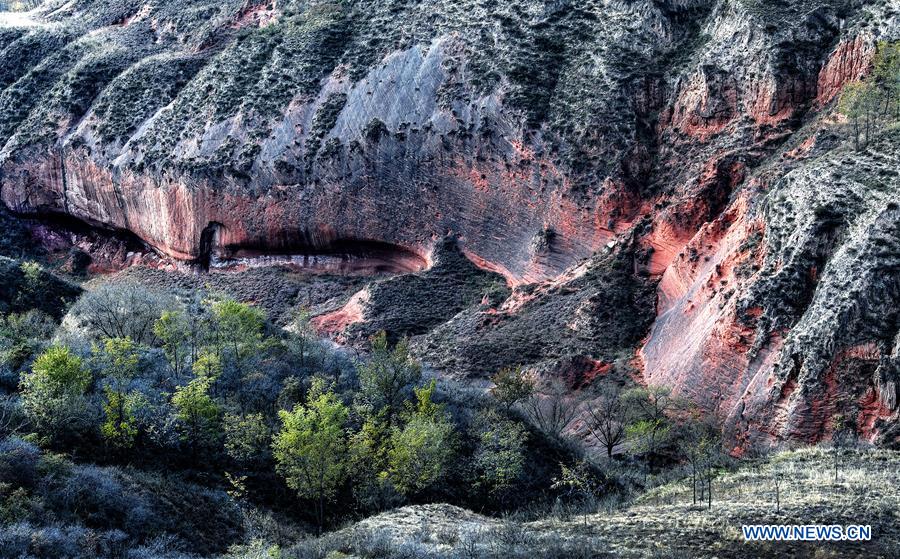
<point>210,417</point>
<point>275,290</point>
<point>15,240</point>
<point>560,63</point>
<point>25,286</point>
<point>375,130</point>
<point>323,122</point>
<point>257,75</point>
<point>140,506</point>
<point>18,56</point>
<point>23,336</point>
<point>17,100</point>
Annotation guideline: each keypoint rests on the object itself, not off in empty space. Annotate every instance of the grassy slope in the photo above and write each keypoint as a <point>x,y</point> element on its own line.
<point>662,522</point>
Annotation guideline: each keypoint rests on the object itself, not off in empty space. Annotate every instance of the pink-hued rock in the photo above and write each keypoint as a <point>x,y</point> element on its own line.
<point>609,148</point>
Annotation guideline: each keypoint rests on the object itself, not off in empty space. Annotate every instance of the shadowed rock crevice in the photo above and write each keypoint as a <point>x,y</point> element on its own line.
<point>415,303</point>
<point>340,256</point>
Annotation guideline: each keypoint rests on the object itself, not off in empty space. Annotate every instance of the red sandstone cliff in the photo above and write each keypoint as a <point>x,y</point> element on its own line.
<point>686,139</point>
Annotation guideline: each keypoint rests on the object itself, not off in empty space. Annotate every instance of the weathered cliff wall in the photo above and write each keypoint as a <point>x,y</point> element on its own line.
<point>591,153</point>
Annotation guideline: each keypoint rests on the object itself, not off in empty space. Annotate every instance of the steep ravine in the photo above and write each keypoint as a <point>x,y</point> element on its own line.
<point>653,184</point>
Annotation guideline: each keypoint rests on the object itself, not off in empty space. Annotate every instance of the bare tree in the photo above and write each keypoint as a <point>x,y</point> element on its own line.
<point>700,442</point>
<point>122,310</point>
<point>552,408</point>
<point>842,436</point>
<point>649,409</point>
<point>607,417</point>
<point>12,418</point>
<point>777,482</point>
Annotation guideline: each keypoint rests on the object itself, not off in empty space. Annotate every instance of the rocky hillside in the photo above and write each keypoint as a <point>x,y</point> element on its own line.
<point>661,185</point>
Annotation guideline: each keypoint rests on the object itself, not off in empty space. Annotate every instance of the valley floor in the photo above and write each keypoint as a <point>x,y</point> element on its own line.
<point>662,523</point>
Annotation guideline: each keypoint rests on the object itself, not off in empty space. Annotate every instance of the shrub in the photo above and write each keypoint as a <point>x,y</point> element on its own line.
<point>18,462</point>
<point>121,310</point>
<point>53,393</point>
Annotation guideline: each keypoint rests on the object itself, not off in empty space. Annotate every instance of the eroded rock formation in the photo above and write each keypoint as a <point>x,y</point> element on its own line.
<point>666,177</point>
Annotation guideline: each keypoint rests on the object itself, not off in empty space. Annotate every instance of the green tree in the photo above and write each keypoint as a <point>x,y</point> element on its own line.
<point>419,454</point>
<point>859,103</point>
<point>423,404</point>
<point>421,450</point>
<point>121,426</point>
<point>239,328</point>
<point>246,437</point>
<point>499,460</point>
<point>311,448</point>
<point>303,340</point>
<point>511,386</point>
<point>369,461</point>
<point>174,331</point>
<point>208,365</point>
<point>118,359</point>
<point>53,393</point>
<point>385,378</point>
<point>886,73</point>
<point>197,412</point>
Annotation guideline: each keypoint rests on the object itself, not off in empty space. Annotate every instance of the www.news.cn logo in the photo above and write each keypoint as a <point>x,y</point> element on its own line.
<point>807,533</point>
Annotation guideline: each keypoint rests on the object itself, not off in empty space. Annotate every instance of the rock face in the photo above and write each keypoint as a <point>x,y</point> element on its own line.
<point>588,152</point>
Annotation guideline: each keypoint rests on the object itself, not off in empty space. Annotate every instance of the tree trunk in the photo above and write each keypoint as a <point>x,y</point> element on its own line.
<point>777,499</point>
<point>694,483</point>
<point>836,457</point>
<point>320,515</point>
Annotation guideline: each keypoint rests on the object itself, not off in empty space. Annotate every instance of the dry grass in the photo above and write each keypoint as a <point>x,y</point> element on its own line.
<point>664,522</point>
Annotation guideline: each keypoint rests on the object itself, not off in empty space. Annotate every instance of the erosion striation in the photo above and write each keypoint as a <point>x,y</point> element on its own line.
<point>658,186</point>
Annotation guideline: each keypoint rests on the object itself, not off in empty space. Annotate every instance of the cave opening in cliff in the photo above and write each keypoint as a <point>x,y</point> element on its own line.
<point>208,240</point>
<point>342,256</point>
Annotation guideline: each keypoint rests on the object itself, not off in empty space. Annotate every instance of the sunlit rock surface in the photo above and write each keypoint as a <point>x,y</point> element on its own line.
<point>653,187</point>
